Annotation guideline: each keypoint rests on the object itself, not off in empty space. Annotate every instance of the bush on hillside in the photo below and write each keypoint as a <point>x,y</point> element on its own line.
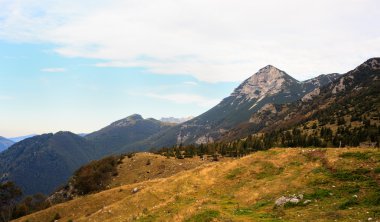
<point>96,175</point>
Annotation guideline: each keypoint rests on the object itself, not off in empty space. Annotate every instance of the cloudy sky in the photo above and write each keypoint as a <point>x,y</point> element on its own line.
<point>79,65</point>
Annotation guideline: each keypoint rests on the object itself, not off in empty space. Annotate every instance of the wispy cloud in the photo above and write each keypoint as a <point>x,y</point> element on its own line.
<point>53,70</point>
<point>191,83</point>
<point>181,98</point>
<point>225,41</point>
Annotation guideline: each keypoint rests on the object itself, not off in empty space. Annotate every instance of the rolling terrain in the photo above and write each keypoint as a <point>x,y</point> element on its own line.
<point>329,185</point>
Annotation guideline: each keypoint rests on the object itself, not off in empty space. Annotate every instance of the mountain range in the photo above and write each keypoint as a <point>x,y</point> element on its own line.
<point>268,85</point>
<point>268,100</point>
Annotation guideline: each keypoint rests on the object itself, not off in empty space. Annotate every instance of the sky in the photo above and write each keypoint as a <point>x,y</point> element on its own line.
<point>80,65</point>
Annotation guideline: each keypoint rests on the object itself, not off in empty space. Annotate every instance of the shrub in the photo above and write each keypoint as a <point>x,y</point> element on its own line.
<point>96,175</point>
<point>56,217</point>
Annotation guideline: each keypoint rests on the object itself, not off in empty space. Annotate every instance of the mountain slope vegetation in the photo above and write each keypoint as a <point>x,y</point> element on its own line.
<point>42,163</point>
<point>344,112</point>
<point>5,143</point>
<point>329,184</point>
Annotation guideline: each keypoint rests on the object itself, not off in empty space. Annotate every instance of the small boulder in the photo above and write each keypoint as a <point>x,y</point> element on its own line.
<point>294,200</point>
<point>281,201</point>
<point>135,190</point>
<point>307,202</point>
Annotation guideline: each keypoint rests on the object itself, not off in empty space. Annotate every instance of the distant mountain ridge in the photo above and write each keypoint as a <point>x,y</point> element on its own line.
<point>42,163</point>
<point>19,138</point>
<point>5,143</point>
<point>175,120</point>
<point>119,134</point>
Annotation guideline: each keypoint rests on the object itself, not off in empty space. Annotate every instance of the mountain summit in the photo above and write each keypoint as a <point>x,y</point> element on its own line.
<point>124,132</point>
<point>267,81</point>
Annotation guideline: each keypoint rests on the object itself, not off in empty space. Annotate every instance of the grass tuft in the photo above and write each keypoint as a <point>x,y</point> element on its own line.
<point>205,216</point>
<point>348,203</point>
<point>234,173</point>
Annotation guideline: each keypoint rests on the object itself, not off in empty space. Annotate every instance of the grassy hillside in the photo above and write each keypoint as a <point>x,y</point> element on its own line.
<point>336,184</point>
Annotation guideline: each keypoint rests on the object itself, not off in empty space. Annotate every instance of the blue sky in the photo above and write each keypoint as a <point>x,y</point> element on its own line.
<point>80,65</point>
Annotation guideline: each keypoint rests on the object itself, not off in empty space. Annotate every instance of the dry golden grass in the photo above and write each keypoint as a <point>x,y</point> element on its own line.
<point>148,166</point>
<point>232,190</point>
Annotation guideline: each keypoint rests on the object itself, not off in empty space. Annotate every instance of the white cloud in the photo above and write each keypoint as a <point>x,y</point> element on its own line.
<point>53,70</point>
<point>191,83</point>
<point>212,40</point>
<point>181,98</point>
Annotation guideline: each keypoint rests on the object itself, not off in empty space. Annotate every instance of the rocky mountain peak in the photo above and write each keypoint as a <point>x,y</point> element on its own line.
<point>267,81</point>
<point>135,117</point>
<point>372,64</point>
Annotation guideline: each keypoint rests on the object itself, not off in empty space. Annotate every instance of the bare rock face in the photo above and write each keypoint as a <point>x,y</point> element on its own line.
<point>267,81</point>
<point>311,94</point>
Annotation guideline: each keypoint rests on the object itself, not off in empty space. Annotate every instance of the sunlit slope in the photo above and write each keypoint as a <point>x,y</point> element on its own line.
<point>341,184</point>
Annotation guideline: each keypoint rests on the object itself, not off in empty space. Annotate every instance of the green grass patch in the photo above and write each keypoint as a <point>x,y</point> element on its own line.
<point>205,216</point>
<point>318,194</point>
<point>356,155</point>
<point>268,169</point>
<point>319,170</point>
<point>348,203</point>
<point>148,218</point>
<point>345,175</point>
<point>373,198</point>
<point>243,212</point>
<point>320,181</point>
<point>234,173</point>
<point>260,204</point>
<point>377,170</point>
<point>350,189</point>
